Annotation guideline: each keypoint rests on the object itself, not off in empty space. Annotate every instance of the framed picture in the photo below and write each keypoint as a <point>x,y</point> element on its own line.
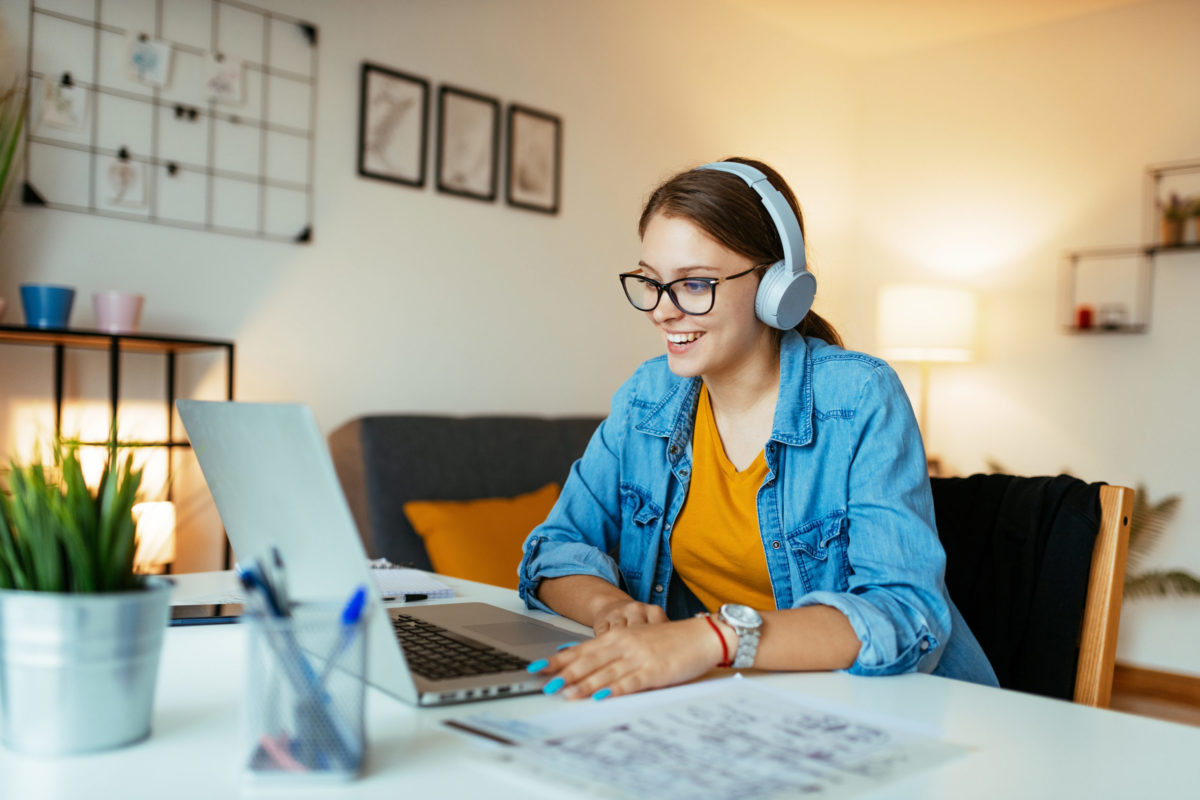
<point>393,125</point>
<point>468,143</point>
<point>534,159</point>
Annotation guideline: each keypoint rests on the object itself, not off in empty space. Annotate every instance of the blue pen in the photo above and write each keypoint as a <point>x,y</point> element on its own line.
<point>351,614</point>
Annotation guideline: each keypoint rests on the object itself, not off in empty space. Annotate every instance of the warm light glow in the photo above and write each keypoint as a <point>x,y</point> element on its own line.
<point>926,323</point>
<point>155,535</point>
<point>32,422</point>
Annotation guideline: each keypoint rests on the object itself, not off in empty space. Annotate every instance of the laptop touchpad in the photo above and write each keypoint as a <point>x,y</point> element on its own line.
<point>519,633</point>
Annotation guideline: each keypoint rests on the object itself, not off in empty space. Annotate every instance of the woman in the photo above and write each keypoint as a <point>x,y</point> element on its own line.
<point>758,497</point>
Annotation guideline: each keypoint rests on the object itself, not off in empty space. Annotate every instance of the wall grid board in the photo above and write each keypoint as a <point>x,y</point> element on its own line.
<point>241,165</point>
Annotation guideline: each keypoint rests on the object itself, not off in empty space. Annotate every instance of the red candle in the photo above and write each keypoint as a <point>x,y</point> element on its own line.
<point>1083,317</point>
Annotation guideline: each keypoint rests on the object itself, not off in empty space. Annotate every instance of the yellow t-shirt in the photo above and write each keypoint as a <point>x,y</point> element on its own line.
<point>716,547</point>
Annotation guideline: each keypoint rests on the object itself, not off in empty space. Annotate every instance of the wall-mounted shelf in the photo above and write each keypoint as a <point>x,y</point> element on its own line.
<point>1145,255</point>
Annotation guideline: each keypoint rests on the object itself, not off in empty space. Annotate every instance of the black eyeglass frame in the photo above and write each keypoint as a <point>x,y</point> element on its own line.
<point>666,287</point>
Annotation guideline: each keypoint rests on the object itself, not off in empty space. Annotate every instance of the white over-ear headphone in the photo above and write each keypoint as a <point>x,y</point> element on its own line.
<point>786,291</point>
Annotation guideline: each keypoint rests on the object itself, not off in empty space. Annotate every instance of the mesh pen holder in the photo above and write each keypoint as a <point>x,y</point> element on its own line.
<point>305,695</point>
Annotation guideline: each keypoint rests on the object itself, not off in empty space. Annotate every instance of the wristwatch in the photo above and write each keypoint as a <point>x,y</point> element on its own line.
<point>747,624</point>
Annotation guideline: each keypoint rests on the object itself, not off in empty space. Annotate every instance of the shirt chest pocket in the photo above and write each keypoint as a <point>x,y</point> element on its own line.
<point>820,561</point>
<point>641,522</point>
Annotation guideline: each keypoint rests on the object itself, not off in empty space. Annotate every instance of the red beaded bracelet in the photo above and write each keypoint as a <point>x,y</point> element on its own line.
<point>725,662</point>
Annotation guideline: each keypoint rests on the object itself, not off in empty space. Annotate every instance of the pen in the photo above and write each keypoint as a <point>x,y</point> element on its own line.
<point>279,581</point>
<point>351,614</point>
<point>408,598</point>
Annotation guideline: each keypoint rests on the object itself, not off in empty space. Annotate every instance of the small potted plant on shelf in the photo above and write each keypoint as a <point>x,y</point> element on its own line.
<point>80,632</point>
<point>1174,213</point>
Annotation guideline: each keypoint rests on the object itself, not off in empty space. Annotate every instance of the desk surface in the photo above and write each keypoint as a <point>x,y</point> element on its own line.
<point>1022,745</point>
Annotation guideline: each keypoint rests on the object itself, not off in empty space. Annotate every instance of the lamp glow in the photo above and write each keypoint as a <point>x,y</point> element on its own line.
<point>155,535</point>
<point>927,323</point>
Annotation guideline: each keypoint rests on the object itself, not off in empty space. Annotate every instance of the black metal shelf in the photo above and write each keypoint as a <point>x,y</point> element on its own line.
<point>1074,329</point>
<point>1147,253</point>
<point>1120,251</point>
<point>115,344</point>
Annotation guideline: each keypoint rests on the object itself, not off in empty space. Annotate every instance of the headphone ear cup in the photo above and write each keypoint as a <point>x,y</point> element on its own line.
<point>784,298</point>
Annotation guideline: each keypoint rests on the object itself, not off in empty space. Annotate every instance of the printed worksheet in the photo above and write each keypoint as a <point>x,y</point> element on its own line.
<point>726,739</point>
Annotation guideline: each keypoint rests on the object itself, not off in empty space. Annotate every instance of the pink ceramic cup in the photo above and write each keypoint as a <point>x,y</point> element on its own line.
<point>117,312</point>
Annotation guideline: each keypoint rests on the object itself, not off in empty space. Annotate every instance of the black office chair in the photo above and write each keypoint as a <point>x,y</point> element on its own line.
<point>1036,566</point>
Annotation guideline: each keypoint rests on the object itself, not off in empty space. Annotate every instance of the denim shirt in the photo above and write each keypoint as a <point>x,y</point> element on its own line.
<point>845,512</point>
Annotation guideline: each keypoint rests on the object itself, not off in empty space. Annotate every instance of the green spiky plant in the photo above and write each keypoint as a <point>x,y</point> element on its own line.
<point>57,535</point>
<point>12,122</point>
<point>1146,526</point>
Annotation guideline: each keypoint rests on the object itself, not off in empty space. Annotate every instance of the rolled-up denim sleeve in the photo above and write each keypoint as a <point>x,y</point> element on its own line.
<point>895,600</point>
<point>585,524</point>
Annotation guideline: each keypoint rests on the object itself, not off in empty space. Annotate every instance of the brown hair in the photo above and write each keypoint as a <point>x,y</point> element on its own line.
<point>728,210</point>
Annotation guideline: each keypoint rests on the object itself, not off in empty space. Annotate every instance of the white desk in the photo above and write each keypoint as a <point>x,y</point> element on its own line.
<point>1025,746</point>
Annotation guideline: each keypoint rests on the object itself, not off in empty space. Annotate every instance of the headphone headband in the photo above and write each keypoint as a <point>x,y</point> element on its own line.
<point>786,290</point>
<point>777,206</point>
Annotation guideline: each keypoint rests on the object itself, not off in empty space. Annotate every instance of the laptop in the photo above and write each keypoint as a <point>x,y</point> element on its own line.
<point>274,484</point>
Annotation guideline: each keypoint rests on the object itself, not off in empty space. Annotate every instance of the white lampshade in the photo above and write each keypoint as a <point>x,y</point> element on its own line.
<point>155,535</point>
<point>926,323</point>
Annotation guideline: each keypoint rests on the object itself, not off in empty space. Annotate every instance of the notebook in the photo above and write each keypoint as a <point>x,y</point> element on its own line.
<point>398,582</point>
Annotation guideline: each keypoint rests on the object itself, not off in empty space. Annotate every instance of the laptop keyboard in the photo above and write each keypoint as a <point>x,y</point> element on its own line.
<point>436,653</point>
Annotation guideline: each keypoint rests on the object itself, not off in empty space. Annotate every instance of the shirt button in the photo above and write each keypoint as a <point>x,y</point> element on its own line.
<point>776,545</point>
<point>658,588</point>
<point>673,450</point>
<point>683,472</point>
<point>924,644</point>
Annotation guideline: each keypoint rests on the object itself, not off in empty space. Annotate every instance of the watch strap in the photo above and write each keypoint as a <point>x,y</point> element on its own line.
<point>747,647</point>
<point>747,642</point>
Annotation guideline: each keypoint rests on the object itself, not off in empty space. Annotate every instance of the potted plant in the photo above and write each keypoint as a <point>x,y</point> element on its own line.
<point>1173,215</point>
<point>80,632</point>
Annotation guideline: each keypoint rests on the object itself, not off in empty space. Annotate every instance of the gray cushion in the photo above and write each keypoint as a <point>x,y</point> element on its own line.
<point>385,461</point>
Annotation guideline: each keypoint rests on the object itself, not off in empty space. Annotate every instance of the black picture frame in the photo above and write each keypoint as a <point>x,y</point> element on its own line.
<point>393,143</point>
<point>533,169</point>
<point>468,144</point>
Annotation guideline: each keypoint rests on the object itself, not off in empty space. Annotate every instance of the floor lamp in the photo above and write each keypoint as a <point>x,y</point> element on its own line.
<point>926,325</point>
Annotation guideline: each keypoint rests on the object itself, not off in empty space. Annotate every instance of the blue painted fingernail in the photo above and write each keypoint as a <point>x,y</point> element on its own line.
<point>565,646</point>
<point>603,693</point>
<point>538,666</point>
<point>553,686</point>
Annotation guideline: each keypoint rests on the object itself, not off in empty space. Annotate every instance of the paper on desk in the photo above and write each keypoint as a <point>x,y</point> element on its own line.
<point>222,598</point>
<point>404,580</point>
<point>722,739</point>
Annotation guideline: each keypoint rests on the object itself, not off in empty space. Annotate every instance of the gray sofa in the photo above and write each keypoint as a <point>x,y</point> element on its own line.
<point>385,461</point>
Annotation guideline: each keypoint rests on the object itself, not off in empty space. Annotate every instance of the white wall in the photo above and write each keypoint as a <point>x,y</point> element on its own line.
<point>979,164</point>
<point>412,300</point>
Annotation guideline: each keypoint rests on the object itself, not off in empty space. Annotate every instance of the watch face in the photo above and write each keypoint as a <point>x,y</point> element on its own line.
<point>744,616</point>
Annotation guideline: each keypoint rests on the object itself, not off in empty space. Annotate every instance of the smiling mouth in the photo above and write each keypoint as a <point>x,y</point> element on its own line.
<point>683,338</point>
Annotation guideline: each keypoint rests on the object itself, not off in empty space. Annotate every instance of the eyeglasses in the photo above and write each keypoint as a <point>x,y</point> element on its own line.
<point>694,296</point>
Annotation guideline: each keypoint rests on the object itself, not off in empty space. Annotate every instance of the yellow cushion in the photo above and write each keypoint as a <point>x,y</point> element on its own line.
<point>480,539</point>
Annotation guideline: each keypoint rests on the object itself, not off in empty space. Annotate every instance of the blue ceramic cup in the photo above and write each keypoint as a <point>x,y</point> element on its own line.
<point>46,305</point>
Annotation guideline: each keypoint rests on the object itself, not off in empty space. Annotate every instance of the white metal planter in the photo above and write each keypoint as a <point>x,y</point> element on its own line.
<point>78,671</point>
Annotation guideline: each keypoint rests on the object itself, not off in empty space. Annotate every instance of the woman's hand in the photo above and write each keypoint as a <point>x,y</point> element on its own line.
<point>624,613</point>
<point>631,658</point>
